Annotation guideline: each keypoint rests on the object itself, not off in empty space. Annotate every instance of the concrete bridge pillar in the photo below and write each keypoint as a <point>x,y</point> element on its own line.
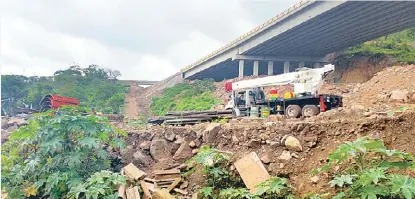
<point>241,68</point>
<point>286,67</point>
<point>301,64</point>
<point>316,65</point>
<point>270,67</point>
<point>256,68</point>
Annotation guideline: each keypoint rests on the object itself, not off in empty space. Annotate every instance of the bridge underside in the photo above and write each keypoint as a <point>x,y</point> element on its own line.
<point>345,25</point>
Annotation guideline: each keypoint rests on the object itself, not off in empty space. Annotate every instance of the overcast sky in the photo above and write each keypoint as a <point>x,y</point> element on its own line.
<point>149,39</point>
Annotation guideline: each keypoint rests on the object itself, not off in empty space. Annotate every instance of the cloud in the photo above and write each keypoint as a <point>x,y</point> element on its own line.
<point>142,39</point>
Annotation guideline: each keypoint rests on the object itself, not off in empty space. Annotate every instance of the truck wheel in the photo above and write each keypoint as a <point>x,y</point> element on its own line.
<point>310,110</point>
<point>293,111</point>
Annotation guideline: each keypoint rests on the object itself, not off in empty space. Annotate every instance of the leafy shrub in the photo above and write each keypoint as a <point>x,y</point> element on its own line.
<point>103,184</point>
<point>367,169</point>
<point>53,154</point>
<point>185,96</point>
<point>274,187</point>
<point>400,45</point>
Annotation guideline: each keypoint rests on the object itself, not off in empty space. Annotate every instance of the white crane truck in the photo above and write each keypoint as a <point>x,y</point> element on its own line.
<point>304,101</point>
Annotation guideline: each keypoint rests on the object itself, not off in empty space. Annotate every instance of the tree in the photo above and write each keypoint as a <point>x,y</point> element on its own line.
<point>113,75</point>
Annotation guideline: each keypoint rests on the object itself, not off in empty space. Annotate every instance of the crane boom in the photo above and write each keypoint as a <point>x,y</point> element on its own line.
<point>310,78</point>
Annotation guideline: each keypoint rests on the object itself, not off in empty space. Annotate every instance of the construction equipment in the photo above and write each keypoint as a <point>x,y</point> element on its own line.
<point>303,101</point>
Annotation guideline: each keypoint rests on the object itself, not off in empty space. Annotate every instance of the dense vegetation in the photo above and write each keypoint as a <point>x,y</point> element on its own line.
<point>400,45</point>
<point>93,86</point>
<point>61,156</point>
<point>185,96</point>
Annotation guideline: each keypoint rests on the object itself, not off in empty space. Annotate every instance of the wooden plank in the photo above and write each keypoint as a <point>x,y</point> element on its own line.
<point>162,194</point>
<point>252,171</point>
<point>174,184</point>
<point>132,193</point>
<point>132,172</point>
<point>167,177</point>
<point>145,188</point>
<point>183,192</point>
<point>121,191</point>
<point>170,171</point>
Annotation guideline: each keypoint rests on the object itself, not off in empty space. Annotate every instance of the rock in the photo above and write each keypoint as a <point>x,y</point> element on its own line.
<point>253,143</point>
<point>265,159</point>
<point>274,144</point>
<point>198,142</point>
<point>264,136</point>
<point>159,149</point>
<point>184,152</point>
<point>315,179</point>
<point>281,165</point>
<point>235,139</point>
<point>169,135</point>
<point>4,122</point>
<point>142,159</point>
<point>285,155</point>
<point>367,114</point>
<point>399,95</point>
<point>130,147</point>
<point>194,151</point>
<point>179,140</point>
<point>192,144</point>
<point>294,155</point>
<point>145,145</point>
<point>293,144</point>
<point>211,131</point>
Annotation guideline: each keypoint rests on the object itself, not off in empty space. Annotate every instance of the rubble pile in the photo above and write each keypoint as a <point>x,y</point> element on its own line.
<point>287,147</point>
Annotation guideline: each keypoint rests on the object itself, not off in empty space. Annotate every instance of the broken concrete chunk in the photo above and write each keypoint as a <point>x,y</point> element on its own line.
<point>132,172</point>
<point>174,184</point>
<point>163,172</point>
<point>162,194</point>
<point>184,185</point>
<point>293,144</point>
<point>211,132</point>
<point>145,188</point>
<point>252,171</point>
<point>121,191</point>
<point>183,192</point>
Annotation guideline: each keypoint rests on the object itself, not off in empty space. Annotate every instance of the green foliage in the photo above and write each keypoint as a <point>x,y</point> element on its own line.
<point>367,169</point>
<point>400,45</point>
<point>312,195</point>
<point>274,187</point>
<point>222,183</point>
<point>93,86</point>
<point>185,96</point>
<point>103,184</point>
<point>53,154</point>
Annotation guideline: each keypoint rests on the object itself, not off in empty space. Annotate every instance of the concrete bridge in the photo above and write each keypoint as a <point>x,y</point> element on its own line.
<point>303,35</point>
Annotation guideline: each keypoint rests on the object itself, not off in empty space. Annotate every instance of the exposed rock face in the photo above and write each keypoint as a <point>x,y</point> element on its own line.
<point>142,159</point>
<point>159,149</point>
<point>399,95</point>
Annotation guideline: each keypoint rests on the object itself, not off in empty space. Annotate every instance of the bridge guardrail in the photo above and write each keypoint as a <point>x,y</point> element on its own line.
<point>248,34</point>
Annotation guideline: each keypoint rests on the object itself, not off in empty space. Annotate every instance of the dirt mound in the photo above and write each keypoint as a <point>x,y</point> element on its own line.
<point>390,88</point>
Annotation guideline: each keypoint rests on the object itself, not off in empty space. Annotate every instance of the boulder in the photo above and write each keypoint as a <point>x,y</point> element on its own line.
<point>293,144</point>
<point>285,155</point>
<point>183,153</point>
<point>141,159</point>
<point>169,135</point>
<point>399,95</point>
<point>145,145</point>
<point>159,149</point>
<point>211,131</point>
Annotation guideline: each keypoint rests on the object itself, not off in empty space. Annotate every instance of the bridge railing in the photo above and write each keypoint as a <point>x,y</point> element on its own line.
<point>247,35</point>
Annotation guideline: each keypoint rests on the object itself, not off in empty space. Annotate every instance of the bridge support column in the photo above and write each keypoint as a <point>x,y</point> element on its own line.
<point>256,68</point>
<point>316,65</point>
<point>286,67</point>
<point>241,68</point>
<point>301,64</point>
<point>270,67</point>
